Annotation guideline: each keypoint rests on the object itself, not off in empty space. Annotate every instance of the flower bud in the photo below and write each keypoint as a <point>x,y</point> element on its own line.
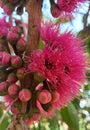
<point>56,96</point>
<point>20,73</point>
<point>7,10</point>
<point>16,107</point>
<point>13,37</point>
<point>8,100</point>
<point>16,29</point>
<point>14,110</point>
<point>45,97</point>
<point>55,10</point>
<point>21,45</point>
<point>4,58</point>
<point>25,95</point>
<point>13,89</point>
<point>3,86</point>
<point>16,61</point>
<point>11,78</point>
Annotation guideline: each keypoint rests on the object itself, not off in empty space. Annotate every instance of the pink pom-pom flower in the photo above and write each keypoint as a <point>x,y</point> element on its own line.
<point>68,5</point>
<point>62,62</point>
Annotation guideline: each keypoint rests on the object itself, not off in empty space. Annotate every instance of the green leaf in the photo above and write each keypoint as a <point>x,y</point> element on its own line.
<point>70,117</point>
<point>53,124</point>
<point>76,103</point>
<point>41,45</point>
<point>1,112</point>
<point>4,124</point>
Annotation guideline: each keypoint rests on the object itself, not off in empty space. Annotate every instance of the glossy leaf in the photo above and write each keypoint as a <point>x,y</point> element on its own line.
<point>70,117</point>
<point>53,124</point>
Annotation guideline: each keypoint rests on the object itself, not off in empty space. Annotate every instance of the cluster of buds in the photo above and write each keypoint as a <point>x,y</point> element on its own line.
<point>12,71</point>
<point>10,5</point>
<point>40,99</point>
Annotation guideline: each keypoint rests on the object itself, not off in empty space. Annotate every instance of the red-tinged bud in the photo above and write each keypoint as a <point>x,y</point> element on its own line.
<point>16,29</point>
<point>3,86</point>
<point>13,37</point>
<point>20,73</point>
<point>35,117</point>
<point>56,96</point>
<point>11,78</point>
<point>13,89</point>
<point>14,110</point>
<point>25,95</point>
<point>16,107</point>
<point>7,9</point>
<point>4,58</point>
<point>16,61</point>
<point>21,45</point>
<point>55,10</point>
<point>44,97</point>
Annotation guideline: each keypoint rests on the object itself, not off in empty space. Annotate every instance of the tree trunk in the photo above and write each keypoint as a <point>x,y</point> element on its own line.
<point>34,13</point>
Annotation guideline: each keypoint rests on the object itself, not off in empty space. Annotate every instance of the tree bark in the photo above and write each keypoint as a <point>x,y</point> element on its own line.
<point>34,13</point>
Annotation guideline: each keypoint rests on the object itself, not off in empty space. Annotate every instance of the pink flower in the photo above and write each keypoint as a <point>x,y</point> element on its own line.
<point>49,32</point>
<point>62,62</point>
<point>68,5</point>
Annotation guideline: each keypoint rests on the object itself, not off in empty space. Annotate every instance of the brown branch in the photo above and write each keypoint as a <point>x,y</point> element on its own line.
<point>34,12</point>
<point>86,17</point>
